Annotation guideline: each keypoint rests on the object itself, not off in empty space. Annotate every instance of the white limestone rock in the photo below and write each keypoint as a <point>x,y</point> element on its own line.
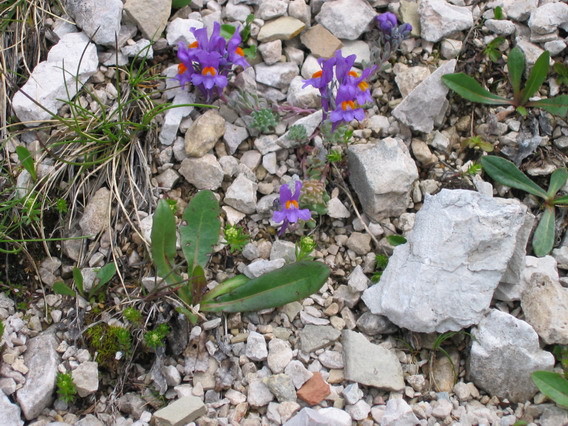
<point>439,19</point>
<point>99,19</point>
<point>333,17</point>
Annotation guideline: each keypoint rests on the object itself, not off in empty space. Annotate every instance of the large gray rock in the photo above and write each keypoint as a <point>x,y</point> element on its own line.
<point>42,359</point>
<point>504,353</point>
<point>329,416</point>
<point>96,215</point>
<point>180,412</point>
<point>100,19</point>
<point>333,16</point>
<point>86,378</point>
<point>279,75</point>
<point>519,10</point>
<point>431,92</point>
<point>458,251</point>
<point>370,364</point>
<point>546,18</point>
<point>241,195</point>
<point>203,173</point>
<point>383,191</point>
<point>439,19</point>
<point>69,65</point>
<point>151,16</point>
<point>9,412</point>
<point>204,133</point>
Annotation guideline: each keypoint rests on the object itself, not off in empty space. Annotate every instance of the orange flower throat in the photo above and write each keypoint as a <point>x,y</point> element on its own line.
<point>317,74</point>
<point>194,45</point>
<point>291,202</point>
<point>209,70</point>
<point>239,51</point>
<point>347,104</point>
<point>181,68</point>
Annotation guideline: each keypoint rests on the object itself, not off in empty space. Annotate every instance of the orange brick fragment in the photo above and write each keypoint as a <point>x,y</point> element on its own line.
<point>314,390</point>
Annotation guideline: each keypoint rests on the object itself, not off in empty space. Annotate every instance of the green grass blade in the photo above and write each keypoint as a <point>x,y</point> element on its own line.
<point>27,161</point>
<point>552,385</point>
<point>516,65</point>
<point>104,275</point>
<point>78,278</point>
<point>506,173</point>
<point>557,105</point>
<point>163,245</point>
<point>468,88</point>
<point>557,181</point>
<point>543,238</point>
<point>285,285</point>
<point>202,230</point>
<point>536,77</point>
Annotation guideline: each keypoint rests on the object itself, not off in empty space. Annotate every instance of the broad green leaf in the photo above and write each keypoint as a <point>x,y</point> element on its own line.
<point>163,244</point>
<point>498,12</point>
<point>552,385</point>
<point>396,240</point>
<point>78,278</point>
<point>227,31</point>
<point>536,77</point>
<point>226,286</point>
<point>190,315</point>
<point>104,275</point>
<point>27,161</point>
<point>506,173</point>
<point>468,88</point>
<point>516,65</point>
<point>178,4</point>
<point>202,230</point>
<point>522,110</point>
<point>557,105</point>
<point>557,181</point>
<point>197,284</point>
<point>250,52</point>
<point>62,288</point>
<point>543,238</point>
<point>561,200</point>
<point>288,284</point>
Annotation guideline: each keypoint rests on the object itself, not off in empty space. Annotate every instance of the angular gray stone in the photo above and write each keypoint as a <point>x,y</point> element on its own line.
<point>86,378</point>
<point>270,9</point>
<point>546,18</point>
<point>383,191</point>
<point>329,416</point>
<point>279,75</point>
<point>519,10</point>
<point>100,19</point>
<point>303,97</point>
<point>314,337</point>
<point>56,79</point>
<point>310,123</point>
<point>241,195</point>
<point>439,19</point>
<point>179,30</point>
<point>333,16</point>
<point>256,349</point>
<point>260,267</point>
<point>458,251</point>
<point>258,394</point>
<point>9,412</point>
<point>370,364</point>
<point>372,324</point>
<point>151,16</point>
<point>203,173</point>
<point>281,386</point>
<point>504,353</point>
<point>358,281</point>
<point>204,133</point>
<point>431,92</point>
<point>42,360</point>
<point>398,413</point>
<point>96,214</point>
<point>173,117</point>
<point>180,412</point>
<point>298,373</point>
<point>283,28</point>
<point>233,137</point>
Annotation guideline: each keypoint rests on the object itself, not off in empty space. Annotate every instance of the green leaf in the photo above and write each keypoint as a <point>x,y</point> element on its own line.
<point>543,238</point>
<point>506,173</point>
<point>193,319</point>
<point>516,65</point>
<point>552,385</point>
<point>227,31</point>
<point>197,284</point>
<point>178,4</point>
<point>536,77</point>
<point>396,240</point>
<point>163,244</point>
<point>62,288</point>
<point>557,181</point>
<point>227,286</point>
<point>104,275</point>
<point>78,279</point>
<point>469,89</point>
<point>498,13</point>
<point>558,105</point>
<point>27,161</point>
<point>202,230</point>
<point>276,288</point>
<point>250,52</point>
<point>381,261</point>
<point>560,200</point>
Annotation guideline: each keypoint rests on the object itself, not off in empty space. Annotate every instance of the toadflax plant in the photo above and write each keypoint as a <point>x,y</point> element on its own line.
<point>506,173</point>
<point>238,294</point>
<point>468,88</point>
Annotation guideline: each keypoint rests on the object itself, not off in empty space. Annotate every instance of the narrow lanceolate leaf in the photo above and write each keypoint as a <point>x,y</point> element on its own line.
<point>557,105</point>
<point>63,289</point>
<point>285,285</point>
<point>202,230</point>
<point>468,88</point>
<point>536,77</point>
<point>561,201</point>
<point>557,181</point>
<point>516,66</point>
<point>543,238</point>
<point>163,245</point>
<point>506,173</point>
<point>27,161</point>
<point>552,385</point>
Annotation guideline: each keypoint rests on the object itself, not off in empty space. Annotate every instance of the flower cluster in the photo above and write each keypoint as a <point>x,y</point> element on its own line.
<point>343,95</point>
<point>391,31</point>
<point>290,211</point>
<point>207,62</point>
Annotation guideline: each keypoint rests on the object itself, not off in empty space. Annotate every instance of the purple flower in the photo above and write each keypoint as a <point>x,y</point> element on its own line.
<point>236,55</point>
<point>289,208</point>
<point>343,66</point>
<point>386,22</point>
<point>404,30</point>
<point>209,80</point>
<point>346,109</point>
<point>358,85</point>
